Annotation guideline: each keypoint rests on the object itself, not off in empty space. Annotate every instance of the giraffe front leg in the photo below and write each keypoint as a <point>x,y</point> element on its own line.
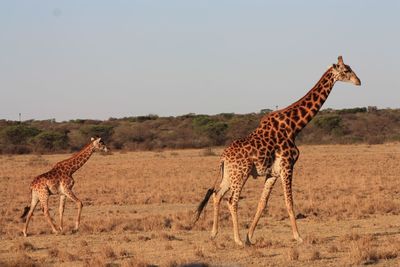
<point>79,205</point>
<point>269,183</point>
<point>287,190</point>
<point>61,211</point>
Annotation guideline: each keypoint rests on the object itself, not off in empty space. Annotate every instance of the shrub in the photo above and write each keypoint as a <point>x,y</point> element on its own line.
<point>18,134</point>
<point>104,131</point>
<point>200,122</point>
<point>328,122</point>
<point>215,130</point>
<point>241,125</point>
<point>146,118</point>
<point>352,110</point>
<point>50,141</point>
<point>348,126</point>
<point>77,140</point>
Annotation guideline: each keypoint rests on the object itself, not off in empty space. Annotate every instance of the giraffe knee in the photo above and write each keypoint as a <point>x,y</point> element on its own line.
<point>79,204</point>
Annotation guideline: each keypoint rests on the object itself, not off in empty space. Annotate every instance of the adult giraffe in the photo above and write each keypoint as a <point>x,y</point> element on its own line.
<point>59,181</point>
<point>270,151</point>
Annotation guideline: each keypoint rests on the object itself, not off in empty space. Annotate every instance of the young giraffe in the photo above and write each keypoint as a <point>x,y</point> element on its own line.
<point>270,151</point>
<point>59,181</point>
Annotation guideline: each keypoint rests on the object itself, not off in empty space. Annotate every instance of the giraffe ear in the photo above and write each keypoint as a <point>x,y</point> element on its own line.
<point>92,139</point>
<point>340,60</point>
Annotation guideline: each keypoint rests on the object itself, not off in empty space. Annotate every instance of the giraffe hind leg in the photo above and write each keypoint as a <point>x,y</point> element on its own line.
<point>217,197</point>
<point>269,184</point>
<point>61,211</point>
<point>233,208</point>
<point>287,190</point>
<point>44,201</point>
<point>34,202</point>
<point>286,174</point>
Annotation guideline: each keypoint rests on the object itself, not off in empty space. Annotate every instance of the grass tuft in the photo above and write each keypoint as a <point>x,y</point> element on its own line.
<point>293,254</point>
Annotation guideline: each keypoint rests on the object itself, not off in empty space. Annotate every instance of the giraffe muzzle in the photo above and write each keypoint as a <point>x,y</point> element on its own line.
<point>356,81</point>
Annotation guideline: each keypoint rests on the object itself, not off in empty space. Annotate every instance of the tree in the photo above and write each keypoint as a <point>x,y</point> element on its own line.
<point>18,134</point>
<point>104,131</point>
<point>328,122</point>
<point>50,141</point>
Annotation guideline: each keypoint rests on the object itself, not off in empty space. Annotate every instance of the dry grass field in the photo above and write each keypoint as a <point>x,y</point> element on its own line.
<point>138,205</point>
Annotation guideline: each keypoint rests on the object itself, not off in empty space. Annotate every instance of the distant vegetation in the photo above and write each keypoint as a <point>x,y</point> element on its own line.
<point>151,132</point>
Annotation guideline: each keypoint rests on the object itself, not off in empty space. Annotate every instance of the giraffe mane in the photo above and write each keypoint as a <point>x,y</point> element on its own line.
<point>305,96</point>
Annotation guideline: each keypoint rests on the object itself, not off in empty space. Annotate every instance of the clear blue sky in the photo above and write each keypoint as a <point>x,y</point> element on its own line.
<point>101,59</point>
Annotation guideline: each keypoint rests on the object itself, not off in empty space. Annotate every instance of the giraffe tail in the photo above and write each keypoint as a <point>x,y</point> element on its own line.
<point>26,210</point>
<point>210,191</point>
<point>202,204</point>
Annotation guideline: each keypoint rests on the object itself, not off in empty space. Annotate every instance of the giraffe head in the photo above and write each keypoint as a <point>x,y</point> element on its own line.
<point>99,144</point>
<point>344,73</point>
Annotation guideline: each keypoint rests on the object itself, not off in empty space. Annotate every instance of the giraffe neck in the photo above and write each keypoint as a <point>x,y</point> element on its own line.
<point>73,164</point>
<point>301,112</point>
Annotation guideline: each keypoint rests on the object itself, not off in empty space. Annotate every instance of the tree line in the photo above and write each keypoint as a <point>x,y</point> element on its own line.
<point>151,132</point>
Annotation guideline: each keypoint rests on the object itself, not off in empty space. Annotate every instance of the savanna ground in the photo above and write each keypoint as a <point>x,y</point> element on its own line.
<point>138,206</point>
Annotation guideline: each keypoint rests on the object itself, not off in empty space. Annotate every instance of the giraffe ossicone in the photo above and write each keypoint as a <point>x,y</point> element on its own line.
<point>59,181</point>
<point>270,151</point>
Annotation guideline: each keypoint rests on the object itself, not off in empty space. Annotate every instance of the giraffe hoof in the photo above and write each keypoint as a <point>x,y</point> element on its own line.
<point>299,240</point>
<point>25,234</point>
<point>248,241</point>
<point>56,232</point>
<point>213,235</point>
<point>239,243</point>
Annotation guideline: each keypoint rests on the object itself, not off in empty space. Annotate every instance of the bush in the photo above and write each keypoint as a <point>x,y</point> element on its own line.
<point>328,122</point>
<point>241,125</point>
<point>352,110</point>
<point>18,134</point>
<point>15,149</point>
<point>215,130</point>
<point>50,141</point>
<point>200,122</point>
<point>104,131</point>
<point>193,131</point>
<point>146,118</point>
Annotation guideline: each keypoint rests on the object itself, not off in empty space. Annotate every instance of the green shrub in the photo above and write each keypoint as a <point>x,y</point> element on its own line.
<point>200,122</point>
<point>355,125</point>
<point>328,122</point>
<point>18,134</point>
<point>215,130</point>
<point>51,141</point>
<point>104,131</point>
<point>241,125</point>
<point>352,110</point>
